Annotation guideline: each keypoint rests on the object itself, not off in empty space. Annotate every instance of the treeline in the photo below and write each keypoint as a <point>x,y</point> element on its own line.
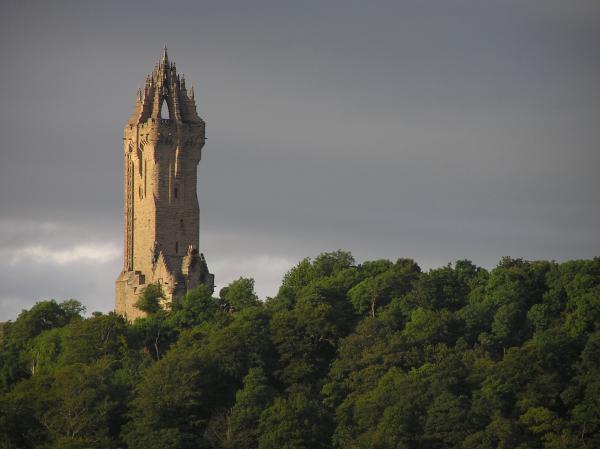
<point>371,355</point>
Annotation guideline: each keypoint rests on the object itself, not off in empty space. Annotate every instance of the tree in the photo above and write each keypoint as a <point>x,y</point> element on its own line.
<point>324,265</point>
<point>368,356</point>
<point>298,421</point>
<point>167,411</point>
<point>377,291</point>
<point>85,341</point>
<point>18,358</point>
<point>250,402</point>
<point>446,424</point>
<point>69,407</point>
<point>149,300</point>
<point>239,294</point>
<point>196,307</point>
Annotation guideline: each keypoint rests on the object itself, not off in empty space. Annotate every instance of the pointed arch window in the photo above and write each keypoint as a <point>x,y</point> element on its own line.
<point>164,110</point>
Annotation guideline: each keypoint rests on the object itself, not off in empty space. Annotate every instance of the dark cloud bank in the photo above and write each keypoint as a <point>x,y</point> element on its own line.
<point>434,130</point>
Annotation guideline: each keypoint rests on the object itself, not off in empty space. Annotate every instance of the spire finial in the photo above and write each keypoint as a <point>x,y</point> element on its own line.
<point>165,58</point>
<point>192,92</point>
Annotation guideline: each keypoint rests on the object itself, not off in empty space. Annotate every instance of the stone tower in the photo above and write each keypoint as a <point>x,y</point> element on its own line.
<point>162,144</point>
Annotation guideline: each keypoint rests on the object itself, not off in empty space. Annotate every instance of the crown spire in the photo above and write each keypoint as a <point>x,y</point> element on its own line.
<point>165,85</point>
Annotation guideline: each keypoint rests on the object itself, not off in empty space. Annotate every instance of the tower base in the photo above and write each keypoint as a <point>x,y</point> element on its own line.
<point>175,283</point>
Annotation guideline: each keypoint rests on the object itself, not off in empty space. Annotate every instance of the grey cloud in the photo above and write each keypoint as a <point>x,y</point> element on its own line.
<point>434,130</point>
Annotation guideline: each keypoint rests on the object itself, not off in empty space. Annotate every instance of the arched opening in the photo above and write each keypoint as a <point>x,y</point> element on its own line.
<point>164,110</point>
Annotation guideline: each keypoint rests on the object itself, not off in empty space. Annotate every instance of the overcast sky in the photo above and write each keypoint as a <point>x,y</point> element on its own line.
<point>436,130</point>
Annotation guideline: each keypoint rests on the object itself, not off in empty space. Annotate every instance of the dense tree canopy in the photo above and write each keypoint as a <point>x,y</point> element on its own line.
<point>346,355</point>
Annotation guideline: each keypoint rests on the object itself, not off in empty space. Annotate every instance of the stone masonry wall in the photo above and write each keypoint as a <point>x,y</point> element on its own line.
<point>161,213</point>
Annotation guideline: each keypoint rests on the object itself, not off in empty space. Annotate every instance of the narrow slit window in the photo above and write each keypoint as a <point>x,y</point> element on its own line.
<point>176,247</point>
<point>175,191</point>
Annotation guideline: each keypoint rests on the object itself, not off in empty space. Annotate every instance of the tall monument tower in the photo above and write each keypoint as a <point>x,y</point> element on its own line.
<point>162,144</point>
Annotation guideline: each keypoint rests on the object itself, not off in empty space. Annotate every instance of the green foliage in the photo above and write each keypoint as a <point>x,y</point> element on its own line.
<point>250,402</point>
<point>196,307</point>
<point>18,352</point>
<point>377,290</point>
<point>239,294</point>
<point>373,355</point>
<point>167,408</point>
<point>306,272</point>
<point>149,300</point>
<point>297,421</point>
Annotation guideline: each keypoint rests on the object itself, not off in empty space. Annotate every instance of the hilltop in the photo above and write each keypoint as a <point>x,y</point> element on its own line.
<point>371,355</point>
